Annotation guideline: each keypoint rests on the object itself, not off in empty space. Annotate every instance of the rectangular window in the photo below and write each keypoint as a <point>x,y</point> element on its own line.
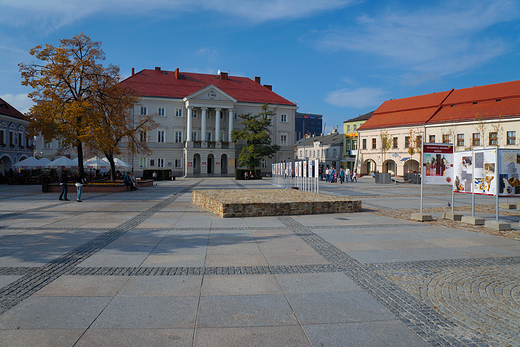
<point>314,154</point>
<point>396,145</point>
<point>374,143</point>
<point>283,118</point>
<point>264,164</point>
<point>144,111</point>
<point>47,145</point>
<point>178,112</point>
<point>493,138</point>
<point>476,139</point>
<point>178,137</point>
<point>364,143</point>
<point>2,137</point>
<point>418,141</point>
<point>511,137</point>
<point>20,140</point>
<point>348,145</point>
<point>11,138</point>
<point>446,138</point>
<point>460,139</point>
<point>194,115</point>
<point>283,140</point>
<point>318,153</point>
<point>348,129</point>
<point>160,135</point>
<point>194,136</point>
<point>334,152</point>
<point>161,111</point>
<point>142,162</point>
<point>355,127</point>
<point>407,142</point>
<point>178,163</point>
<point>301,153</point>
<point>152,162</point>
<point>208,137</point>
<point>327,152</point>
<point>160,162</point>
<point>59,143</point>
<point>142,136</point>
<point>432,138</point>
<point>354,144</point>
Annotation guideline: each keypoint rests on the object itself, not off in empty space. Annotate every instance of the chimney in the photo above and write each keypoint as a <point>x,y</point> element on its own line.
<point>133,71</point>
<point>268,86</point>
<point>257,80</point>
<point>177,74</point>
<point>223,75</point>
<point>157,68</point>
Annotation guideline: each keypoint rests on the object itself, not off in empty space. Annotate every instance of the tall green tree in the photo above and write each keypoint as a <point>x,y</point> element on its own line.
<point>256,137</point>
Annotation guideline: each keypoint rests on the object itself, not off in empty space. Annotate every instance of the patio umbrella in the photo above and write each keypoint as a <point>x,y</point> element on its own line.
<point>95,163</point>
<point>120,165</point>
<point>29,163</point>
<point>44,161</point>
<point>63,161</point>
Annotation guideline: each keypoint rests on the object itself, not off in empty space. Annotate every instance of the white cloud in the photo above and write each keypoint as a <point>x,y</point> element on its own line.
<point>431,41</point>
<point>359,98</point>
<point>52,14</point>
<point>19,101</point>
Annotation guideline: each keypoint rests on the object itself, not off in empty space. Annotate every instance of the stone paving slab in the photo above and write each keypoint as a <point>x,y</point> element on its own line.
<point>166,272</point>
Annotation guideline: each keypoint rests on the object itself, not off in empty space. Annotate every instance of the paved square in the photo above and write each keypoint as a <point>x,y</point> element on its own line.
<point>150,268</point>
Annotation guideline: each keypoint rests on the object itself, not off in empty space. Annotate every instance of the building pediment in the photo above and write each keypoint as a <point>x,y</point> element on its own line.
<point>210,95</point>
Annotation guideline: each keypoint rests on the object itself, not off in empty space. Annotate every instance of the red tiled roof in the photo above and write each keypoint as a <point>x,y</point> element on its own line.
<point>489,101</point>
<point>488,92</point>
<point>9,110</point>
<point>468,112</point>
<point>400,118</point>
<point>160,83</point>
<point>412,103</point>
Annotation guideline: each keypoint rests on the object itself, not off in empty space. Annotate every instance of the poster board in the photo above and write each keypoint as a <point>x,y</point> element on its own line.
<point>487,165</point>
<point>437,161</point>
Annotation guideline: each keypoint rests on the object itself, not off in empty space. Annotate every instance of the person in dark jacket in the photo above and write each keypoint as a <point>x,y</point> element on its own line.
<point>64,179</point>
<point>80,181</point>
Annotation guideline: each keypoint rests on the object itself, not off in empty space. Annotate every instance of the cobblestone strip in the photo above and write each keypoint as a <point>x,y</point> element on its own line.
<point>418,316</point>
<point>18,270</point>
<point>197,271</point>
<point>427,264</point>
<point>24,287</point>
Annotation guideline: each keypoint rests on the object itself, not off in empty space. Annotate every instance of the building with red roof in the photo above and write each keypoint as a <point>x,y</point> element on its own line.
<point>471,117</point>
<point>15,144</point>
<point>196,113</point>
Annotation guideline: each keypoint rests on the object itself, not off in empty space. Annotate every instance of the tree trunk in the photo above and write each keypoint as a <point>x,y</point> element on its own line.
<point>110,158</point>
<point>80,158</point>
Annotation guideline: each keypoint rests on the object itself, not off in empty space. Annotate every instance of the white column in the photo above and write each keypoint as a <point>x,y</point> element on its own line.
<point>203,123</point>
<point>230,128</point>
<point>188,123</point>
<point>217,125</point>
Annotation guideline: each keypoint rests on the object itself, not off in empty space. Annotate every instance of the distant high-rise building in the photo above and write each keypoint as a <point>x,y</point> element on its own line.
<point>307,124</point>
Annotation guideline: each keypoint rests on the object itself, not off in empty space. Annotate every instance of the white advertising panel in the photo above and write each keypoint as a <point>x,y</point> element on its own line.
<point>482,164</point>
<point>509,178</point>
<point>304,169</point>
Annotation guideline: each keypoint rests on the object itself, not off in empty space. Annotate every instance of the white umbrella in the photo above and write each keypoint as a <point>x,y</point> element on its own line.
<point>29,163</point>
<point>95,163</point>
<point>58,163</point>
<point>44,161</point>
<point>118,163</point>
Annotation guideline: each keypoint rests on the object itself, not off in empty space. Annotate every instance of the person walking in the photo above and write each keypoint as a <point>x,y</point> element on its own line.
<point>80,181</point>
<point>347,174</point>
<point>64,179</point>
<point>354,176</point>
<point>342,175</point>
<point>327,174</point>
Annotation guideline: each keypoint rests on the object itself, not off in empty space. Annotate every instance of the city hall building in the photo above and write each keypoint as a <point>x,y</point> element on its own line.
<point>196,113</point>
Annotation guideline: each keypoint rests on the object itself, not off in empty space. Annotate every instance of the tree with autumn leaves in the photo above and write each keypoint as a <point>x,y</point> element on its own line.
<point>80,101</point>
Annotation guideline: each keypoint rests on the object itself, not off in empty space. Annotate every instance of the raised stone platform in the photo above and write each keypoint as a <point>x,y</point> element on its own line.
<point>271,202</point>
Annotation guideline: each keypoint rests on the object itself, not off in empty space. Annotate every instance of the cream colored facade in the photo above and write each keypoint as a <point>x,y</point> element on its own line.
<point>372,159</point>
<point>193,136</point>
<point>467,135</point>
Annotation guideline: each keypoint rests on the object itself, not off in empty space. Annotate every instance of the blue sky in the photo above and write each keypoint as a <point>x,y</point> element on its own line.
<point>339,58</point>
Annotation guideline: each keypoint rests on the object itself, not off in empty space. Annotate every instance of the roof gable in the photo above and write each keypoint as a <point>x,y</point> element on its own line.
<point>210,93</point>
<point>8,110</point>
